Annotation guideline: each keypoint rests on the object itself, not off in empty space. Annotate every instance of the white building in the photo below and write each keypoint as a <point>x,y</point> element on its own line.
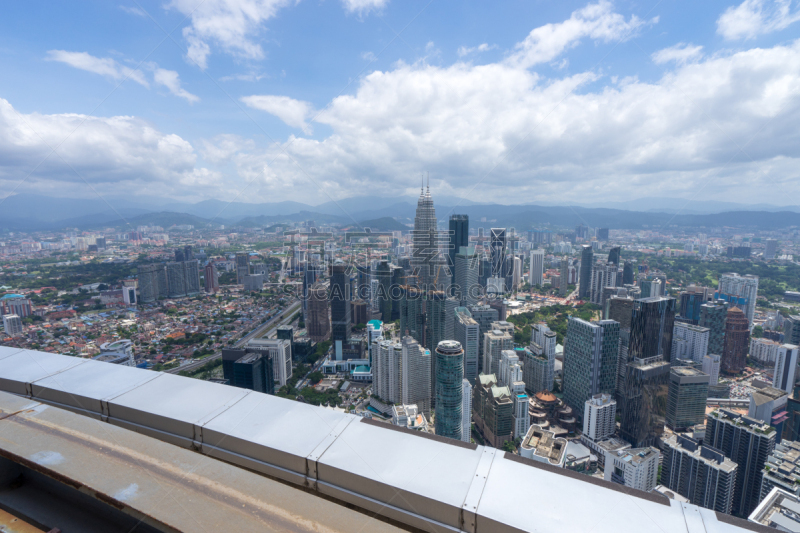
<point>13,325</point>
<point>415,381</point>
<point>495,285</point>
<point>536,273</point>
<point>602,276</point>
<point>542,445</point>
<point>494,342</point>
<point>711,364</point>
<point>374,334</point>
<point>467,331</point>
<point>785,368</point>
<point>466,410</point>
<point>599,416</point>
<point>517,272</point>
<point>509,368</point>
<point>280,350</point>
<point>636,468</point>
<point>387,371</point>
<point>689,342</point>
<point>764,350</point>
<point>409,416</point>
<point>741,291</point>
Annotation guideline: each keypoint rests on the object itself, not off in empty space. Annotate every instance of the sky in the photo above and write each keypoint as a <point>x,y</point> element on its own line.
<point>316,100</point>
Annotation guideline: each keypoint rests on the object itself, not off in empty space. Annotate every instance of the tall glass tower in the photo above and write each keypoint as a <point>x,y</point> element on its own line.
<point>449,383</point>
<point>457,237</point>
<point>585,281</point>
<point>340,303</point>
<point>426,247</point>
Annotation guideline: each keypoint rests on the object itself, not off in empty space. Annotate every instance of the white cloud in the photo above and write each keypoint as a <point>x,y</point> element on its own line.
<point>364,6</point>
<point>465,51</point>
<point>293,112</point>
<point>132,10</point>
<point>595,21</point>
<point>752,18</point>
<point>233,25</point>
<point>112,153</point>
<point>171,80</point>
<point>681,53</point>
<point>105,66</point>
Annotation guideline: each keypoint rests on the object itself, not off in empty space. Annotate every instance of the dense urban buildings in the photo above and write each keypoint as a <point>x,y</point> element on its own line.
<point>737,340</point>
<point>590,360</point>
<point>686,398</point>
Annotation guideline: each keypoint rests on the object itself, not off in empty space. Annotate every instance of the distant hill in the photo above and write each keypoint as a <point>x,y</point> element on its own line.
<point>383,224</point>
<point>165,219</point>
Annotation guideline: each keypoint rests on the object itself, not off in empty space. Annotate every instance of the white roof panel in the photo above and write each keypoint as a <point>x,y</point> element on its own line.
<point>17,371</point>
<point>5,351</point>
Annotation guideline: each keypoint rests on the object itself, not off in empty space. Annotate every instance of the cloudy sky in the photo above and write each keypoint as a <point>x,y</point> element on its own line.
<point>314,100</point>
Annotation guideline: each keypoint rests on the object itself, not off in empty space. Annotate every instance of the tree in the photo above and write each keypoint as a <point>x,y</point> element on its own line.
<point>508,446</point>
<point>315,377</point>
<point>758,332</point>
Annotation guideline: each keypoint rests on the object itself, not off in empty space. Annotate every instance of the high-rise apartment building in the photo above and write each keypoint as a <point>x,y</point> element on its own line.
<point>319,322</point>
<point>467,332</point>
<point>542,356</point>
<point>603,275</point>
<point>747,442</point>
<point>713,316</point>
<point>701,474</point>
<point>387,371</point>
<point>737,341</point>
<point>689,342</point>
<point>211,278</point>
<point>15,305</point>
<point>711,366</point>
<point>782,469</point>
<point>590,360</point>
<point>791,330</point>
<point>416,375</point>
<point>635,467</point>
<point>242,267</point>
<point>339,297</point>
<point>599,417</point>
<point>12,324</point>
<point>536,272</point>
<point>585,281</point>
<point>740,291</point>
<point>449,392</point>
<point>686,398</point>
<point>494,342</point>
<point>770,249</point>
<point>785,368</point>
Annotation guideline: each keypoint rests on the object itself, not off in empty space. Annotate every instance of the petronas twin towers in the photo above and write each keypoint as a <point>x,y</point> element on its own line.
<point>427,262</point>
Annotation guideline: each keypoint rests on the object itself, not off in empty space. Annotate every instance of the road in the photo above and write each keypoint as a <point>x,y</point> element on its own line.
<point>264,329</point>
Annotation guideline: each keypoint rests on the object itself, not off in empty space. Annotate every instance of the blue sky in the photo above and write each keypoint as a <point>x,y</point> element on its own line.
<point>267,100</point>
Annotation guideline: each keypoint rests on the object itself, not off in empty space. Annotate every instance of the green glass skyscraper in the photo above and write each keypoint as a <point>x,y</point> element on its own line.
<point>585,281</point>
<point>449,383</point>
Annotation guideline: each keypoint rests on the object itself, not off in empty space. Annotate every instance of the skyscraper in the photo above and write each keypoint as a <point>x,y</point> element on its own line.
<point>211,278</point>
<point>425,254</point>
<point>644,394</point>
<point>737,341</point>
<point>590,360</point>
<point>242,267</point>
<point>740,291</point>
<point>416,375</point>
<point>536,272</point>
<point>449,382</point>
<point>689,342</point>
<point>563,283</point>
<point>713,316</point>
<point>599,417</point>
<point>748,443</point>
<point>587,259</point>
<point>494,342</point>
<point>497,247</point>
<point>627,273</point>
<point>686,399</point>
<point>614,255</point>
<point>12,324</point>
<point>602,276</point>
<point>387,371</point>
<point>467,332</point>
<point>467,285</point>
<point>791,330</point>
<point>770,248</point>
<point>340,303</point>
<point>785,368</point>
<point>458,237</point>
<point>466,410</point>
<point>318,322</point>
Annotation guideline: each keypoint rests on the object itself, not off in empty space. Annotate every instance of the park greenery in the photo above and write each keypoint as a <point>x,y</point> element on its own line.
<point>555,316</point>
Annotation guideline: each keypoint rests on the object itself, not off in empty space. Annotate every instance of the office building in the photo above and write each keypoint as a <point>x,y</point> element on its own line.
<point>627,273</point>
<point>769,405</point>
<point>425,249</point>
<point>737,341</point>
<point>517,273</point>
<point>713,316</point>
<point>280,351</point>
<point>614,255</point>
<point>253,282</point>
<point>211,278</point>
<point>691,301</point>
<point>584,283</point>
<point>339,297</point>
<point>318,323</point>
<point>541,444</point>
<point>689,342</point>
<point>686,398</point>
<point>12,324</point>
<point>466,411</point>
<point>248,369</point>
<point>457,237</point>
<point>467,284</point>
<point>651,288</point>
<point>242,267</point>
<point>358,312</point>
<point>711,366</point>
<point>542,357</point>
<point>602,276</point>
<point>449,398</point>
<point>536,272</point>
<point>467,332</point>
<point>739,291</point>
<point>791,330</point>
<point>387,371</point>
<point>416,374</point>
<point>590,360</point>
<point>702,475</point>
<point>636,468</point>
<point>599,417</point>
<point>494,342</point>
<point>497,250</point>
<point>770,249</point>
<point>785,368</point>
<point>129,291</point>
<point>746,442</point>
<point>644,391</point>
<point>602,234</point>
<point>493,410</point>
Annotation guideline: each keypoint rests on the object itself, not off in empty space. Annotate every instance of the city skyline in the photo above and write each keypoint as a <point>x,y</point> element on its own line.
<point>267,101</point>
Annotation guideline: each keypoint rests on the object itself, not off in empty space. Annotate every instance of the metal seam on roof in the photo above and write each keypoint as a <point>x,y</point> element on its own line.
<point>314,456</point>
<point>473,498</point>
<point>694,522</point>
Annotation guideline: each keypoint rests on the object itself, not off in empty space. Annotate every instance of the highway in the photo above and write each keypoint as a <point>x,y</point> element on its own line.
<point>264,329</point>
